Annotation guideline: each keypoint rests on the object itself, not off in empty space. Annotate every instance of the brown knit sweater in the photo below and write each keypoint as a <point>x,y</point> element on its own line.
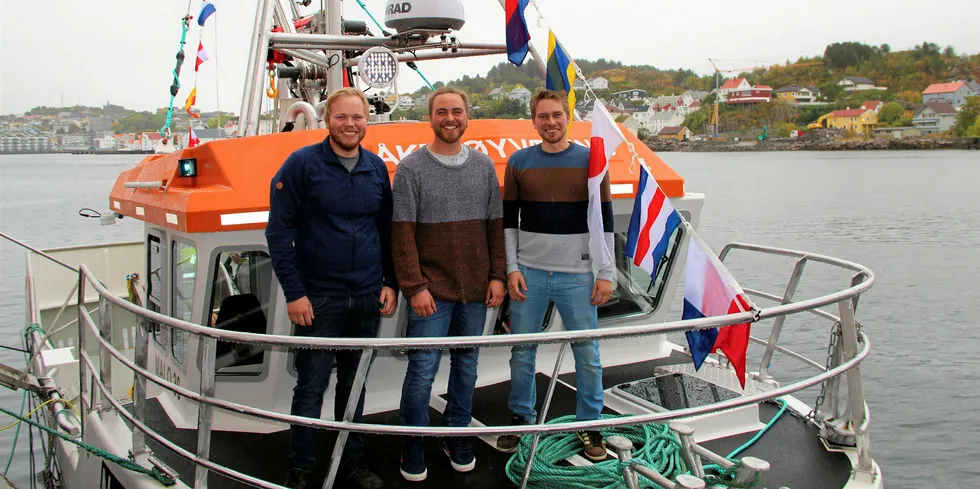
<point>447,231</point>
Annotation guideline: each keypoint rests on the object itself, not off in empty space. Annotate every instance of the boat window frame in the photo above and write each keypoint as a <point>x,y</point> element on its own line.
<point>173,297</point>
<point>270,317</point>
<point>156,329</point>
<point>668,269</point>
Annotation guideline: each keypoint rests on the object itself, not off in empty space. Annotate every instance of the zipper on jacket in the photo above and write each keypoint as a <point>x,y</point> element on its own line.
<point>353,241</point>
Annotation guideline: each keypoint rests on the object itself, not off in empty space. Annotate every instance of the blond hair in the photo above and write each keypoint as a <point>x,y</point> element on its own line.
<point>452,90</point>
<point>344,92</point>
<point>555,95</point>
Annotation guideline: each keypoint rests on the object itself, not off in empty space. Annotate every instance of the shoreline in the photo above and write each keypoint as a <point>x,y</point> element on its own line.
<point>786,144</point>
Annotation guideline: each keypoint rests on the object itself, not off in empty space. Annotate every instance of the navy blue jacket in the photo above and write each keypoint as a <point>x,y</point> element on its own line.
<point>339,221</point>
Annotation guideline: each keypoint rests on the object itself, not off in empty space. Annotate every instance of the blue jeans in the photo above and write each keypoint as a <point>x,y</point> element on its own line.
<point>572,295</point>
<point>450,319</point>
<point>334,317</point>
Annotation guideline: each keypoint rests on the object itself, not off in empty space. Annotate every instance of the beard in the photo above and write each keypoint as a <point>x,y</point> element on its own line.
<point>346,146</point>
<point>450,136</point>
<point>557,138</point>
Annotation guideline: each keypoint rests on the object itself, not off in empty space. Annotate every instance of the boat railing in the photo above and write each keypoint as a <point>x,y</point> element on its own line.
<point>96,395</point>
<point>59,408</point>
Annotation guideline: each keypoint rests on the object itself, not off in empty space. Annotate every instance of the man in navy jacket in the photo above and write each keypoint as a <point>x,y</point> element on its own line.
<point>329,236</point>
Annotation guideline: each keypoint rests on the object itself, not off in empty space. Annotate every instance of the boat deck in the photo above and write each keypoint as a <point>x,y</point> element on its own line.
<point>799,460</point>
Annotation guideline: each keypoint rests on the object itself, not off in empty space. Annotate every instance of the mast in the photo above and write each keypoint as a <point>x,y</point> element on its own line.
<point>335,75</point>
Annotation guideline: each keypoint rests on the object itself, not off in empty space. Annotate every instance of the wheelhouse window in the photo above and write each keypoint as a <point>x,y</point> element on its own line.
<point>184,277</point>
<point>155,285</point>
<point>636,291</point>
<point>241,300</point>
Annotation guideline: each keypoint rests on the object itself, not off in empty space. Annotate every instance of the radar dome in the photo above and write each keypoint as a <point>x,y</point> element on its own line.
<point>441,15</point>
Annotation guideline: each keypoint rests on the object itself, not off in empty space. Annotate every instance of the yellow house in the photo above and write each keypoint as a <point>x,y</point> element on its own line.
<point>861,121</point>
<point>784,96</point>
<point>680,133</point>
<point>793,93</point>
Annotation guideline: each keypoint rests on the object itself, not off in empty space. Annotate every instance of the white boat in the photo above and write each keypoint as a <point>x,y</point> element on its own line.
<point>164,362</point>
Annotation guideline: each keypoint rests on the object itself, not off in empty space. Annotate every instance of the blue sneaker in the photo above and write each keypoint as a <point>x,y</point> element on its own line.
<point>413,461</point>
<point>459,452</point>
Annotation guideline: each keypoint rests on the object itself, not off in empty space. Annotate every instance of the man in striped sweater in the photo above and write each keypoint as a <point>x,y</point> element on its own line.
<point>448,246</point>
<point>546,199</point>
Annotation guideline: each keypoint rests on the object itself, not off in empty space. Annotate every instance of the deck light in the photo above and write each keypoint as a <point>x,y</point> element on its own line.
<point>187,167</point>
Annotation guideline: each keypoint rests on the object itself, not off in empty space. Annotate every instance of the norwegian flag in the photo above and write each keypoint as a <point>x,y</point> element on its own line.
<point>192,139</point>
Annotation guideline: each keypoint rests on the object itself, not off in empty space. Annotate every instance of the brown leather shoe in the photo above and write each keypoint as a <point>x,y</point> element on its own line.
<point>595,447</point>
<point>509,443</point>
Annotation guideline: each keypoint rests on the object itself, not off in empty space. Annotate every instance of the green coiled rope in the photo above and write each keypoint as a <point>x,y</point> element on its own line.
<point>655,446</point>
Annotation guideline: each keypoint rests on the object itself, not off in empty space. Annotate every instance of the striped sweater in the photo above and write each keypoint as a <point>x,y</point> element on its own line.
<point>546,202</point>
<point>447,228</point>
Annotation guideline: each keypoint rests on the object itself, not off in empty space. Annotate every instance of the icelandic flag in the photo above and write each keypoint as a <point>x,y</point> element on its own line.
<point>606,137</point>
<point>192,139</point>
<point>710,292</point>
<point>206,10</point>
<point>652,225</point>
<point>202,56</point>
<point>516,31</point>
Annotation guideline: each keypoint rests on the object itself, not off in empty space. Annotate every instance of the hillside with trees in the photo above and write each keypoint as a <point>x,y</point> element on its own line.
<point>905,74</point>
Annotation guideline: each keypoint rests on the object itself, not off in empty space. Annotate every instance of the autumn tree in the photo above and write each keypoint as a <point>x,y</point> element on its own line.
<point>967,118</point>
<point>891,113</point>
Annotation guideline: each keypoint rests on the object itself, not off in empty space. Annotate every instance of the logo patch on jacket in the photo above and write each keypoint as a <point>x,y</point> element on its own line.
<point>585,256</point>
<point>278,185</point>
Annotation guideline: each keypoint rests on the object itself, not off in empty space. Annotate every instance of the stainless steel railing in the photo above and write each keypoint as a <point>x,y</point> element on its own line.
<point>58,407</point>
<point>849,337</point>
<point>93,383</point>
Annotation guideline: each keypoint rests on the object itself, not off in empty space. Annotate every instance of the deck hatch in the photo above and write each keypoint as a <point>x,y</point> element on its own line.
<point>677,391</point>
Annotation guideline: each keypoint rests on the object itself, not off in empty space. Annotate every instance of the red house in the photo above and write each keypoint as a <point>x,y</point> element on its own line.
<point>738,91</point>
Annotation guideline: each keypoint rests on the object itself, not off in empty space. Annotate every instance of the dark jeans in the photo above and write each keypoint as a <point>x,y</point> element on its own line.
<point>334,317</point>
<point>450,319</point>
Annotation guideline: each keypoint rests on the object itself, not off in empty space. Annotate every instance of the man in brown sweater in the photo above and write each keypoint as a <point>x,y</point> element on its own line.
<point>448,248</point>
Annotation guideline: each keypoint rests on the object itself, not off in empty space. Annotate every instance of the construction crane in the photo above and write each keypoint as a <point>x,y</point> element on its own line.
<point>718,72</point>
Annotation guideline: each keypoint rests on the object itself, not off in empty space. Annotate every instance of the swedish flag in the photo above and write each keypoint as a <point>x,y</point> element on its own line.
<point>560,73</point>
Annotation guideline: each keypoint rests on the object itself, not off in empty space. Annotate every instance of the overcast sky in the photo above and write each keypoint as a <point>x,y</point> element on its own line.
<point>122,51</point>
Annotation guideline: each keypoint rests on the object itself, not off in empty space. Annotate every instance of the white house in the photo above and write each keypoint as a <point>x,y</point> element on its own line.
<point>643,115</point>
<point>599,83</point>
<point>106,142</point>
<point>520,93</point>
<point>935,117</point>
<point>660,120</point>
<point>631,94</point>
<point>735,84</point>
<point>149,140</point>
<point>406,102</point>
<point>631,123</point>
<point>857,84</point>
<point>696,95</point>
<point>684,103</point>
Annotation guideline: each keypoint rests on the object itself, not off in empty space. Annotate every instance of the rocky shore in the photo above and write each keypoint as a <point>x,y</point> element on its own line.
<point>814,141</point>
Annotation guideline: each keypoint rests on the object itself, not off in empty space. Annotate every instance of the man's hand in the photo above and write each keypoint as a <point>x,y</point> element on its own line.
<point>423,304</point>
<point>515,284</point>
<point>495,293</point>
<point>300,312</point>
<point>601,292</point>
<point>389,301</point>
